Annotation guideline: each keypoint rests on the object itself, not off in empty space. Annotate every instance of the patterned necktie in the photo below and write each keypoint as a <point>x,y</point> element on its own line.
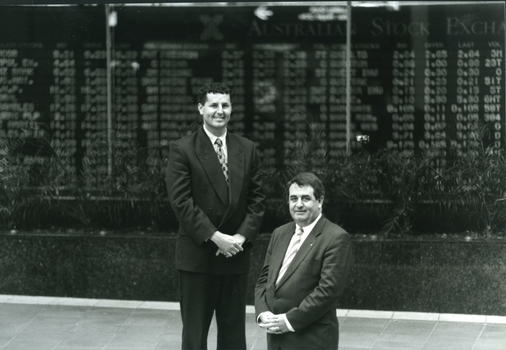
<point>221,158</point>
<point>290,253</point>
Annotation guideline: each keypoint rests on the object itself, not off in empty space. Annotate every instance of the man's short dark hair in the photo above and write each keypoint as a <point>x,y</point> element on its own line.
<point>307,179</point>
<point>212,88</point>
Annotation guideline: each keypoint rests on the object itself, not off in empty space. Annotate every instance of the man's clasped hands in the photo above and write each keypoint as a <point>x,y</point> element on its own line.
<point>228,245</point>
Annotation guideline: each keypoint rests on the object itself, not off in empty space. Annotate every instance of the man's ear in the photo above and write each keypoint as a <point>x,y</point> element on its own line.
<point>320,201</point>
<point>200,108</point>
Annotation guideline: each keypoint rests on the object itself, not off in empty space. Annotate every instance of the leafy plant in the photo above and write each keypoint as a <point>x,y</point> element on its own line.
<point>408,191</point>
<point>397,192</point>
<point>30,176</point>
<point>132,195</point>
<point>479,176</point>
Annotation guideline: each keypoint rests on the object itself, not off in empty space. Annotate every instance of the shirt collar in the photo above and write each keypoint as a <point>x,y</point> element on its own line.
<point>310,227</point>
<point>213,137</point>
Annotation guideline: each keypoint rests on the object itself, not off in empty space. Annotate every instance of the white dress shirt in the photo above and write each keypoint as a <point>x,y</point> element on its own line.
<point>223,139</point>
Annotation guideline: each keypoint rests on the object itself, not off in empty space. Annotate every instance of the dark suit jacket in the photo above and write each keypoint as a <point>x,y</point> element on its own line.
<point>309,290</point>
<point>204,204</point>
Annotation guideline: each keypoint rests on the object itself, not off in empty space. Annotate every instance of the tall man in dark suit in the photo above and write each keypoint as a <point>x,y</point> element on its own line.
<point>215,191</point>
<point>305,270</point>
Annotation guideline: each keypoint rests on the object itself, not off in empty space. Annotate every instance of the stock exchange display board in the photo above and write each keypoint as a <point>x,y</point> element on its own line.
<point>434,77</point>
<point>421,77</point>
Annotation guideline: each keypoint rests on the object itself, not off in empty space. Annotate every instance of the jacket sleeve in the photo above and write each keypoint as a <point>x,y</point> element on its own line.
<point>255,207</point>
<point>178,179</point>
<point>261,285</point>
<point>336,265</point>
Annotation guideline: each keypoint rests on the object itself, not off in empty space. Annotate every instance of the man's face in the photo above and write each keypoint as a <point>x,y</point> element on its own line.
<point>304,207</point>
<point>216,112</point>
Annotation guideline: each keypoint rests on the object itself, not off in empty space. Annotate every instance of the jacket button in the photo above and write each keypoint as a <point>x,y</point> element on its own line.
<point>210,210</point>
<point>205,190</point>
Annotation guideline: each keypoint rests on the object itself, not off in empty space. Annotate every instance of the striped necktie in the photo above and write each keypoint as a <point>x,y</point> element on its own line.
<point>290,252</point>
<point>221,158</point>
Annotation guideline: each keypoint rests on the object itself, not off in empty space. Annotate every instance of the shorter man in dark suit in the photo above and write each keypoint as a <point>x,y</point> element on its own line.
<point>305,271</point>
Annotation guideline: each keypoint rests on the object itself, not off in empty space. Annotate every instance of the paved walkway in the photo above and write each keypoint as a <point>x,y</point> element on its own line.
<point>46,323</point>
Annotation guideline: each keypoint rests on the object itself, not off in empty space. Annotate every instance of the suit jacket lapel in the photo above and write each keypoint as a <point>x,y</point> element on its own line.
<point>278,254</point>
<point>207,156</point>
<point>304,249</point>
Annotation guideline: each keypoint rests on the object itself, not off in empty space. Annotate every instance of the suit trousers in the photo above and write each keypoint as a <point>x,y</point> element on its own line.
<point>202,294</point>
